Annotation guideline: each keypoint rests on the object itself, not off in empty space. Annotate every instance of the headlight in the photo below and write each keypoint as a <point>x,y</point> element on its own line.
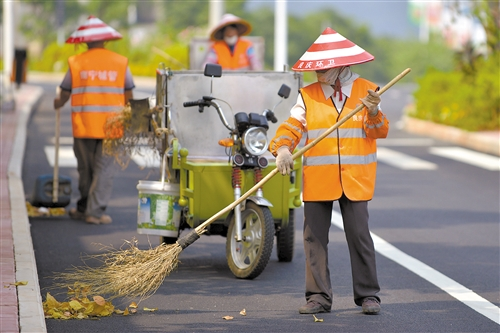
<point>255,141</point>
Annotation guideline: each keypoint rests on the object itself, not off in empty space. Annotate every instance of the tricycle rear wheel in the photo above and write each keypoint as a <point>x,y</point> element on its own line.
<point>248,258</point>
<point>285,239</point>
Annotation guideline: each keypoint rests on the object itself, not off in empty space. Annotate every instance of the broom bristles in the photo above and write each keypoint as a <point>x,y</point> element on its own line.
<point>125,273</point>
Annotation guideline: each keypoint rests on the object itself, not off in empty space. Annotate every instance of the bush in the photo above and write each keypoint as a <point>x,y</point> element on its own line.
<point>55,57</point>
<point>143,60</point>
<point>469,102</point>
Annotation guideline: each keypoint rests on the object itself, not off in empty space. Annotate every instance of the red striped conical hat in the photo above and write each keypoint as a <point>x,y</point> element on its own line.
<point>330,50</point>
<point>93,30</point>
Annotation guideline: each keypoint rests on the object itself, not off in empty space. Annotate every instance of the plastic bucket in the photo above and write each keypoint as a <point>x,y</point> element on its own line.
<point>158,212</point>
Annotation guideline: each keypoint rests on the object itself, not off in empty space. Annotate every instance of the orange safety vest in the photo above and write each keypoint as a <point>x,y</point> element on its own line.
<point>346,160</point>
<point>236,60</point>
<point>98,84</point>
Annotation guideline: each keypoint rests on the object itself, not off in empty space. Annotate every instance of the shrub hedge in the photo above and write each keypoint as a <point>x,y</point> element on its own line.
<point>467,101</point>
<point>143,60</point>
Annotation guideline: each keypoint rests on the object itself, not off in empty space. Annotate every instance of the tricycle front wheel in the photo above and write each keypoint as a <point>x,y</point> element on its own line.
<point>248,258</point>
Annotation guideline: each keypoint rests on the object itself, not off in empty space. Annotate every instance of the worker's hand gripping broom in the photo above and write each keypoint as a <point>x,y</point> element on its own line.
<point>139,273</point>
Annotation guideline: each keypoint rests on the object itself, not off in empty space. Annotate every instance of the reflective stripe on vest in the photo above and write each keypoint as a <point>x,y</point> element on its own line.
<point>238,59</point>
<point>95,108</point>
<point>98,81</point>
<point>345,161</point>
<point>97,89</point>
<point>342,133</point>
<point>334,159</point>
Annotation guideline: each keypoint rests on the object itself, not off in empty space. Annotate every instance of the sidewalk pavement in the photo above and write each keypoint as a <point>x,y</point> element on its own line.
<point>21,307</point>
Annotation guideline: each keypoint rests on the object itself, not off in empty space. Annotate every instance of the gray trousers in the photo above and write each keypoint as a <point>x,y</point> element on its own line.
<point>317,223</point>
<point>96,172</point>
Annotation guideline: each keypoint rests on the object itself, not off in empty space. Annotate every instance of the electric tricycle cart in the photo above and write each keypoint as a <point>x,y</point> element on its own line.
<point>214,129</point>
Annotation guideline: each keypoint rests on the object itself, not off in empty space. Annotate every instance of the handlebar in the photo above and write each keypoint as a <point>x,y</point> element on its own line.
<point>208,101</point>
<point>194,103</point>
<point>201,103</point>
<point>270,116</point>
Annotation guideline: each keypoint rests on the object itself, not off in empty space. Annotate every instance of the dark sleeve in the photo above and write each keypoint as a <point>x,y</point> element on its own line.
<point>66,83</point>
<point>129,80</point>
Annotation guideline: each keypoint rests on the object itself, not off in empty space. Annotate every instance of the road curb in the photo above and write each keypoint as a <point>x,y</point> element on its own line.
<point>30,307</point>
<point>486,142</point>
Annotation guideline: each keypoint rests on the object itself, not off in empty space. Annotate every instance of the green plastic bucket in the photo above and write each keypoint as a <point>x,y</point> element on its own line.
<point>158,211</point>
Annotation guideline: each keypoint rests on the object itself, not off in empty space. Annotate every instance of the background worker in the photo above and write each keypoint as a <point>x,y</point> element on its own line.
<point>230,50</point>
<point>340,167</point>
<point>99,83</point>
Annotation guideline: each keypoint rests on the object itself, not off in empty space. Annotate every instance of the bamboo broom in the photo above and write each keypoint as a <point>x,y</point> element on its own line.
<point>139,273</point>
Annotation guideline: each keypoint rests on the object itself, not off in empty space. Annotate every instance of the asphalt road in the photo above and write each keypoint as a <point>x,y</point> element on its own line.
<point>431,226</point>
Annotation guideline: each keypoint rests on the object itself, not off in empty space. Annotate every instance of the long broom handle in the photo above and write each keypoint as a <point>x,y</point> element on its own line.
<point>55,181</point>
<point>200,229</point>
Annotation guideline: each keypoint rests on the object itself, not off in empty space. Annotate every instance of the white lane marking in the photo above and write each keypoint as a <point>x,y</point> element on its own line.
<point>67,157</point>
<point>63,140</point>
<point>475,158</point>
<point>405,142</point>
<point>403,161</point>
<point>453,288</point>
<point>146,157</point>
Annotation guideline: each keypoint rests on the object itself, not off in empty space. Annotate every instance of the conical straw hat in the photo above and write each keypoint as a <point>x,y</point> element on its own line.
<point>243,27</point>
<point>330,50</point>
<point>93,30</point>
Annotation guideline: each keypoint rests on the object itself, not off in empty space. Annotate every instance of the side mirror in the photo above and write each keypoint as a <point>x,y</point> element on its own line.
<point>284,91</point>
<point>213,70</point>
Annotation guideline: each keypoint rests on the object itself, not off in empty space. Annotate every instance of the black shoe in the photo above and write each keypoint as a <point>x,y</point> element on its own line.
<point>370,305</point>
<point>312,307</point>
<point>75,214</point>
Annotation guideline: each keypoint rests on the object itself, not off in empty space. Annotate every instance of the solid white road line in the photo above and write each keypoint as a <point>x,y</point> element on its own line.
<point>142,157</point>
<point>475,158</point>
<point>403,161</point>
<point>63,140</point>
<point>453,288</point>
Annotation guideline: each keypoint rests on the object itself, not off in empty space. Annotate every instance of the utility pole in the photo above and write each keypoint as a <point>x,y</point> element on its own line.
<point>216,10</point>
<point>60,18</point>
<point>280,35</point>
<point>8,101</point>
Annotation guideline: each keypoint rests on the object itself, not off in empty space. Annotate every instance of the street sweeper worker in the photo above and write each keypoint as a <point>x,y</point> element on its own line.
<point>99,83</point>
<point>341,167</point>
<point>229,49</point>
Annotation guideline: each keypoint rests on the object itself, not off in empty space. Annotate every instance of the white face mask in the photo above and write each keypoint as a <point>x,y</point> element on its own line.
<point>330,75</point>
<point>231,40</point>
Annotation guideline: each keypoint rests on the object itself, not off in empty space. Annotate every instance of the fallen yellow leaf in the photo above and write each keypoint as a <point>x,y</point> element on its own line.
<point>317,320</point>
<point>150,310</point>
<point>228,318</point>
<point>51,302</point>
<point>75,305</point>
<point>57,211</point>
<point>99,300</point>
<point>19,283</point>
<point>243,312</point>
<point>133,305</point>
